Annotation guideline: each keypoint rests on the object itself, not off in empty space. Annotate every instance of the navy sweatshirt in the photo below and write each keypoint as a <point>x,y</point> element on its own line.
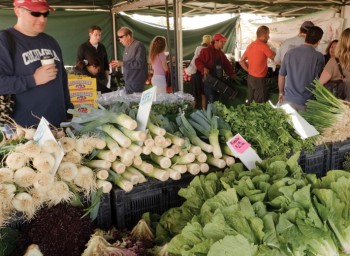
<point>32,102</point>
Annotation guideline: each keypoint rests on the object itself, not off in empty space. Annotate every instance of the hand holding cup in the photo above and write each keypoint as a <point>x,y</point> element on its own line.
<point>47,72</point>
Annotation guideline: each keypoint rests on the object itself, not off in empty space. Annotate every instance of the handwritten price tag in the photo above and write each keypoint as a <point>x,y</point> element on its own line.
<point>239,144</point>
<point>243,150</point>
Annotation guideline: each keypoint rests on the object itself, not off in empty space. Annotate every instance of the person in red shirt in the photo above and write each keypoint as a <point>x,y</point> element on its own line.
<point>254,61</point>
<point>211,60</point>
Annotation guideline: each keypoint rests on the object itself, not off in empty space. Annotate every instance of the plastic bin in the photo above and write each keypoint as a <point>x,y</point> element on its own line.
<point>127,208</point>
<point>170,191</point>
<point>316,162</point>
<point>338,150</point>
<point>16,221</point>
<point>104,216</point>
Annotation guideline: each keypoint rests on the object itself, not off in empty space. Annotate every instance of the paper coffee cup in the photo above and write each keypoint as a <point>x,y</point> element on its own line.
<point>47,59</point>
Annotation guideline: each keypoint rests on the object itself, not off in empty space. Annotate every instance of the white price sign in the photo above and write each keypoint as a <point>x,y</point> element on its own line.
<point>300,125</point>
<point>145,108</point>
<point>42,134</point>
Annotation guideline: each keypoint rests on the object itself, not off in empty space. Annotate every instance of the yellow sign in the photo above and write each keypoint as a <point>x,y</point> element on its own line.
<point>82,90</point>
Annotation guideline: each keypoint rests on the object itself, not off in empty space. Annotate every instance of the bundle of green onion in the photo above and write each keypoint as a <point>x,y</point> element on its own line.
<point>328,114</point>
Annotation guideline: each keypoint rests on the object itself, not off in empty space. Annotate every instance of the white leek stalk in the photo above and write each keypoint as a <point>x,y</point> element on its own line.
<point>193,168</point>
<point>182,168</point>
<point>163,161</point>
<point>121,182</point>
<point>118,167</point>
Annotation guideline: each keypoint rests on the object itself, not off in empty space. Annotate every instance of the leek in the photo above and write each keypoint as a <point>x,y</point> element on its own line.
<point>175,139</point>
<point>112,145</point>
<point>187,130</point>
<point>163,161</point>
<point>225,131</point>
<point>184,159</point>
<point>117,135</point>
<point>133,135</point>
<point>121,182</point>
<point>106,155</point>
<point>168,152</point>
<point>136,172</point>
<point>118,167</point>
<point>144,167</point>
<point>329,115</point>
<point>155,129</point>
<point>181,168</point>
<point>99,164</point>
<point>323,111</point>
<point>193,168</point>
<point>159,174</point>
<point>217,162</point>
<point>97,117</point>
<point>174,174</point>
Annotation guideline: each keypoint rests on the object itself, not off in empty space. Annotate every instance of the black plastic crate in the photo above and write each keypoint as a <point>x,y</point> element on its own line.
<point>16,221</point>
<point>170,191</point>
<point>316,162</point>
<point>104,216</point>
<point>127,208</point>
<point>338,150</point>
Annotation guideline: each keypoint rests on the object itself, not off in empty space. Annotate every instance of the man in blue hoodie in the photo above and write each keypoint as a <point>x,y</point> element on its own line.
<point>39,90</point>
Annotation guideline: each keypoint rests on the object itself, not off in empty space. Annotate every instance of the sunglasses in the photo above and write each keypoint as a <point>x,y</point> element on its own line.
<point>120,37</point>
<point>38,14</point>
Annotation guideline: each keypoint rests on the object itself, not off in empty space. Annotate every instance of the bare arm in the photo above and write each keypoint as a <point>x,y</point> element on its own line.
<point>165,65</point>
<point>281,82</point>
<point>325,77</point>
<point>243,62</point>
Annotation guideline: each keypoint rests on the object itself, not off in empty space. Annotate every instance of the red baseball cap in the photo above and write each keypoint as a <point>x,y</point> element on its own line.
<point>218,37</point>
<point>33,5</point>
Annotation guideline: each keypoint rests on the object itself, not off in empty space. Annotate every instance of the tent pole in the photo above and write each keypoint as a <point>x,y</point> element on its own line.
<point>176,68</point>
<point>179,46</point>
<point>170,48</point>
<point>114,37</point>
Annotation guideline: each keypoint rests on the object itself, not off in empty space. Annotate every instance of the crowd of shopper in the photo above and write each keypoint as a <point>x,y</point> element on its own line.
<point>42,90</point>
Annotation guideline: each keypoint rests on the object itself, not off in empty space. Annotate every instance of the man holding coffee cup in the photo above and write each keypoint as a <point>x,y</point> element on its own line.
<point>39,83</point>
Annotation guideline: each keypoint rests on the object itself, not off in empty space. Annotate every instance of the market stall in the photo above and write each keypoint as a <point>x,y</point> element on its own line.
<point>177,171</point>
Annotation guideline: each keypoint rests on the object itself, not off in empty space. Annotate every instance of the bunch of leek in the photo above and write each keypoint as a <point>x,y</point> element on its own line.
<point>97,117</point>
<point>186,129</point>
<point>328,114</point>
<point>206,123</point>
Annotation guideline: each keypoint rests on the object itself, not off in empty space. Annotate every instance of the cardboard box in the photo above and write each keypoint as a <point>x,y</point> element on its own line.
<point>81,83</point>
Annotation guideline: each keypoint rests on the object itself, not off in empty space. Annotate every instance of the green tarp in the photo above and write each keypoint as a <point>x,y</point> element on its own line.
<point>70,28</point>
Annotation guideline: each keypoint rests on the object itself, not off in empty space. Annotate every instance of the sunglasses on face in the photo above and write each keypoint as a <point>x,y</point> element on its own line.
<point>120,37</point>
<point>38,14</point>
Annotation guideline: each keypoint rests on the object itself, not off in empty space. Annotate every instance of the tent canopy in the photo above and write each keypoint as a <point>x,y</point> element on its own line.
<point>281,8</point>
<point>102,9</point>
<point>60,26</point>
